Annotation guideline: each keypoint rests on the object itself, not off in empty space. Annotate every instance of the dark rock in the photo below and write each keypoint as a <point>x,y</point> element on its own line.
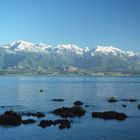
<point>124,105</point>
<point>63,123</point>
<point>109,115</point>
<point>41,90</point>
<point>112,100</point>
<point>40,114</point>
<point>34,114</point>
<point>138,106</point>
<point>10,106</point>
<point>78,103</point>
<point>58,100</point>
<point>70,111</point>
<point>28,121</point>
<point>129,100</point>
<point>45,123</point>
<point>10,118</point>
<point>87,106</point>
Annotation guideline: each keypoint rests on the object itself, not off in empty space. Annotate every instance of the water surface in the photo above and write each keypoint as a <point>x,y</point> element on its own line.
<point>22,93</point>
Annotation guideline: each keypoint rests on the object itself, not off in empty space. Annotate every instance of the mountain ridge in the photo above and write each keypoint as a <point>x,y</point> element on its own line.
<point>23,56</point>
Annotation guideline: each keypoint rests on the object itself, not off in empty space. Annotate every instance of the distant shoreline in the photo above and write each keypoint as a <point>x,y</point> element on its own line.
<point>69,75</point>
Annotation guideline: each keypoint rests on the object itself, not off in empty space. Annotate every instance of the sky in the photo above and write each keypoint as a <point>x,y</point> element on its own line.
<point>86,23</point>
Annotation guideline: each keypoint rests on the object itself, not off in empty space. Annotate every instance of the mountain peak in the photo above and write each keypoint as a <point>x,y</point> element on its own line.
<point>108,50</point>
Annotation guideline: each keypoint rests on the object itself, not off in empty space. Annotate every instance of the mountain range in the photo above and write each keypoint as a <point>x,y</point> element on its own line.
<point>26,57</point>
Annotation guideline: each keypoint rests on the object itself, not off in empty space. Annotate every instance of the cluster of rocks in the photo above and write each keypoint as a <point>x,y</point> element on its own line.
<point>114,100</point>
<point>108,115</point>
<point>10,118</point>
<point>65,112</point>
<point>62,123</point>
<point>13,118</point>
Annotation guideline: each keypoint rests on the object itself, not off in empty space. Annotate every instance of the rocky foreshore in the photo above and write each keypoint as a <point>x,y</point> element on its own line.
<point>13,118</point>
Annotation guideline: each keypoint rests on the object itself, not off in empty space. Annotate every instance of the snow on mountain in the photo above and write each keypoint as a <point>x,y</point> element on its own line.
<point>108,50</point>
<point>65,49</point>
<point>130,53</point>
<point>23,55</point>
<point>21,45</point>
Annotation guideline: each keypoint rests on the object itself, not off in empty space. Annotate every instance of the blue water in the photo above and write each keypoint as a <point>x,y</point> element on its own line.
<point>21,93</point>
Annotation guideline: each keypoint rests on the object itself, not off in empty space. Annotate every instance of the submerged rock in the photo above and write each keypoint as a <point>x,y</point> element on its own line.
<point>10,118</point>
<point>41,90</point>
<point>87,106</point>
<point>129,100</point>
<point>34,114</point>
<point>45,123</point>
<point>109,115</point>
<point>124,105</point>
<point>28,121</point>
<point>69,111</point>
<point>138,106</point>
<point>58,100</point>
<point>112,100</point>
<point>63,123</point>
<point>78,103</point>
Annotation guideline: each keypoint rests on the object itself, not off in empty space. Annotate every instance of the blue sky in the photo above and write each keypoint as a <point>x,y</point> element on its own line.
<point>81,22</point>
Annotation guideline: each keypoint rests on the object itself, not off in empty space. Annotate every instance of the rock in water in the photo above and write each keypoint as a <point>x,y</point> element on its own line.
<point>112,100</point>
<point>63,123</point>
<point>34,114</point>
<point>139,106</point>
<point>70,111</point>
<point>58,100</point>
<point>78,103</point>
<point>28,121</point>
<point>41,90</point>
<point>45,123</point>
<point>129,100</point>
<point>124,105</point>
<point>10,118</point>
<point>107,115</point>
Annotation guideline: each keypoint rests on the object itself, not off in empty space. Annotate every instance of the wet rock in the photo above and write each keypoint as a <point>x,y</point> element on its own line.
<point>112,100</point>
<point>41,90</point>
<point>138,106</point>
<point>10,106</point>
<point>63,123</point>
<point>129,100</point>
<point>107,115</point>
<point>34,114</point>
<point>58,100</point>
<point>78,103</point>
<point>28,121</point>
<point>124,105</point>
<point>87,106</point>
<point>45,123</point>
<point>70,111</point>
<point>10,118</point>
<point>40,114</point>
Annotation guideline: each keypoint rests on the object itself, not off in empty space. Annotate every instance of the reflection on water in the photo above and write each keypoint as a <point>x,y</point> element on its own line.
<point>23,93</point>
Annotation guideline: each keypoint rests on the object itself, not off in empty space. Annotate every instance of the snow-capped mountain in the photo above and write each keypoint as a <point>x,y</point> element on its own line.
<point>21,45</point>
<point>22,55</point>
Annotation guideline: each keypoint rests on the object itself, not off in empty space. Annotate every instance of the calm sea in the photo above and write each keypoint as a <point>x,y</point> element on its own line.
<point>21,93</point>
